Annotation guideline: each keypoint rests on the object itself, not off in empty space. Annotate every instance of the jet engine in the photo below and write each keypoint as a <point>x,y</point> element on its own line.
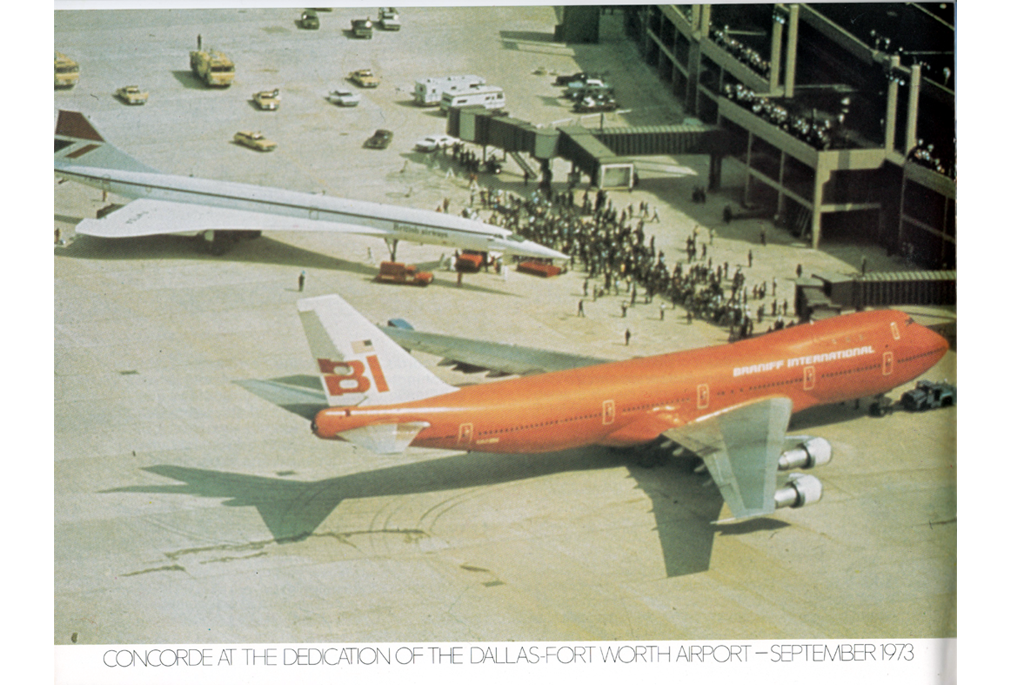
<point>801,489</point>
<point>807,454</point>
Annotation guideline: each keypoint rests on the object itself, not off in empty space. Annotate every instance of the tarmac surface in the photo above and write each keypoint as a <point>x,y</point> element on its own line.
<point>189,509</point>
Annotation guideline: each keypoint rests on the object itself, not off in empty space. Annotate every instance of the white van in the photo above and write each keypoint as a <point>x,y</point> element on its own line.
<point>489,97</point>
<point>428,91</point>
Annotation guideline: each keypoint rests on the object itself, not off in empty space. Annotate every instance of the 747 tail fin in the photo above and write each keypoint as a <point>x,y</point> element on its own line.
<point>358,364</point>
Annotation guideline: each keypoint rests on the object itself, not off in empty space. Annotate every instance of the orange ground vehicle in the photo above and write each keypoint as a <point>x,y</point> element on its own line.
<point>408,274</point>
<point>470,261</point>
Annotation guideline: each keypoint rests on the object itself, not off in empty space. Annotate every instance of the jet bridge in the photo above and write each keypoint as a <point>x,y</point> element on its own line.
<point>606,155</point>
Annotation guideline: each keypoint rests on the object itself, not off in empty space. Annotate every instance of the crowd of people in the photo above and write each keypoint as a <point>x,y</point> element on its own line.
<point>620,259</point>
<point>749,56</point>
<point>820,134</point>
<point>925,156</point>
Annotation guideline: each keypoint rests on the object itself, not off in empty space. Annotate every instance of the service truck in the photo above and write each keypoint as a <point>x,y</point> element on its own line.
<point>211,67</point>
<point>428,91</point>
<point>65,71</point>
<point>488,97</point>
<point>408,274</point>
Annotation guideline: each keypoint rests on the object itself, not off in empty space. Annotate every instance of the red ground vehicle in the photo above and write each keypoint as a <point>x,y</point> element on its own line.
<point>408,274</point>
<point>470,261</point>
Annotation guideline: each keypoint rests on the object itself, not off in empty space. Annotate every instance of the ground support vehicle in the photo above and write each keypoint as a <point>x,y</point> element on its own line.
<point>929,395</point>
<point>211,67</point>
<point>405,274</point>
<point>536,268</point>
<point>488,97</point>
<point>428,91</point>
<point>471,261</point>
<point>883,406</point>
<point>132,95</point>
<point>65,71</point>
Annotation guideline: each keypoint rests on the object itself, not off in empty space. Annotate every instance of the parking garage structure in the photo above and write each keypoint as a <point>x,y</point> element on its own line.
<point>843,121</point>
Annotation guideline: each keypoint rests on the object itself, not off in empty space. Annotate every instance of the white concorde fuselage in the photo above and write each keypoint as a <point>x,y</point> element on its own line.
<point>385,221</point>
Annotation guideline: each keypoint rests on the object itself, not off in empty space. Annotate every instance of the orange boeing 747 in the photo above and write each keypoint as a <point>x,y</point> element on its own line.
<point>728,404</point>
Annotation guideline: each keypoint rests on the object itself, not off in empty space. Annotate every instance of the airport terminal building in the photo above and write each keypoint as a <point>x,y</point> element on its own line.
<point>841,115</point>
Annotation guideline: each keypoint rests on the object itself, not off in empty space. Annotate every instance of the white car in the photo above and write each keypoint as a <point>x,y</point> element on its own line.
<point>436,142</point>
<point>345,98</point>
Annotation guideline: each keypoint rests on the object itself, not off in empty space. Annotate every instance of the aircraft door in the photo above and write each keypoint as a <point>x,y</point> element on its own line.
<point>808,378</point>
<point>608,412</point>
<point>886,363</point>
<point>466,435</point>
<point>703,396</point>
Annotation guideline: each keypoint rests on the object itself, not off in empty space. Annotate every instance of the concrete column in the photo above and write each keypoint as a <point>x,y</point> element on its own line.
<point>693,75</point>
<point>715,173</point>
<point>912,103</point>
<point>794,21</point>
<point>746,176</point>
<point>782,181</point>
<point>776,58</point>
<point>695,12</point>
<point>705,21</point>
<point>890,108</point>
<point>819,192</point>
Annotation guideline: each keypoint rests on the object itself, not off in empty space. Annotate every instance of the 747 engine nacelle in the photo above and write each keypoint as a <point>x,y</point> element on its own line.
<point>800,490</point>
<point>810,452</point>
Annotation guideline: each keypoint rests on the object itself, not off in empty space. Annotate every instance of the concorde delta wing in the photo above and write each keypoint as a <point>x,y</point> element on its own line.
<point>741,448</point>
<point>481,355</point>
<point>145,217</point>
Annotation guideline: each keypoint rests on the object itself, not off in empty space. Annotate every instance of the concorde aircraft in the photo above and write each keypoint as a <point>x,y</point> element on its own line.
<point>729,404</point>
<point>164,203</point>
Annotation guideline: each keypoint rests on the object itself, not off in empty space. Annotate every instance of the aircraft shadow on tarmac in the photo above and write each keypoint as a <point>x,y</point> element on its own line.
<point>292,510</point>
<point>263,250</point>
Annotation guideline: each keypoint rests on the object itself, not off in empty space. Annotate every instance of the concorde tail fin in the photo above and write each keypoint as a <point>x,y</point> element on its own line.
<point>76,142</point>
<point>358,364</point>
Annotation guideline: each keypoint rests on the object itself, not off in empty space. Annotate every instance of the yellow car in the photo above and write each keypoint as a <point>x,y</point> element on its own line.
<point>267,99</point>
<point>364,78</point>
<point>255,140</point>
<point>132,95</point>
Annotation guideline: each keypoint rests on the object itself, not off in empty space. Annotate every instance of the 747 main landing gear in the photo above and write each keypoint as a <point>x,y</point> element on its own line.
<point>882,406</point>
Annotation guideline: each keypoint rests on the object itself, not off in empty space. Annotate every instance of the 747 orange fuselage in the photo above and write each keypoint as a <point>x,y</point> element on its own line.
<point>632,402</point>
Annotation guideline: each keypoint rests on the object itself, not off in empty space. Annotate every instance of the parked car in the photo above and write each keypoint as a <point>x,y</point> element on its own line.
<point>310,20</point>
<point>585,84</point>
<point>362,28</point>
<point>267,99</point>
<point>345,98</point>
<point>435,142</point>
<point>388,19</point>
<point>929,395</point>
<point>599,103</point>
<point>255,140</point>
<point>364,78</point>
<point>132,95</point>
<point>569,78</point>
<point>380,139</point>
